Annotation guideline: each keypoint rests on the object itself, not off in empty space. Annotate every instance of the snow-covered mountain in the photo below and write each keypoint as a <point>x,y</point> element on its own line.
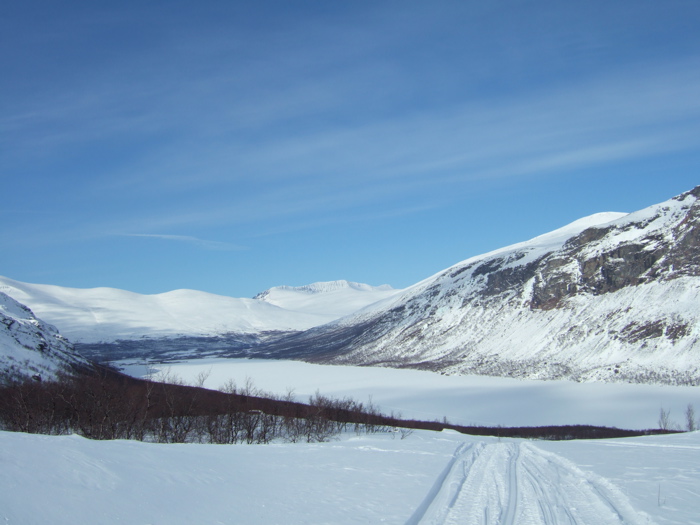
<point>30,347</point>
<point>333,299</point>
<point>107,314</point>
<point>611,297</point>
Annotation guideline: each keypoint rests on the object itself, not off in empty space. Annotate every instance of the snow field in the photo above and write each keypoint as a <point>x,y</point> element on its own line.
<point>659,474</point>
<point>427,478</point>
<point>70,480</point>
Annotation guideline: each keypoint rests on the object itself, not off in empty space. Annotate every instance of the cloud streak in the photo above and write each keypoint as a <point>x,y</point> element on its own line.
<point>348,116</point>
<point>201,243</point>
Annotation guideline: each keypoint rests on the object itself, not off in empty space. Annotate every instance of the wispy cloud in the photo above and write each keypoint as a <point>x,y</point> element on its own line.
<point>319,122</point>
<point>202,243</point>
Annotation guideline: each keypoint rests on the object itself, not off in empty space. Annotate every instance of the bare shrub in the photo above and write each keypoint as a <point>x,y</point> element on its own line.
<point>690,422</point>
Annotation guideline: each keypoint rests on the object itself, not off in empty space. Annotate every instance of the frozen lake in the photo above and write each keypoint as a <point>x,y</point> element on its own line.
<point>466,400</point>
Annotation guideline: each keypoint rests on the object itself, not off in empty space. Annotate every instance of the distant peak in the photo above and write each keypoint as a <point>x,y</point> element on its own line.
<point>324,287</point>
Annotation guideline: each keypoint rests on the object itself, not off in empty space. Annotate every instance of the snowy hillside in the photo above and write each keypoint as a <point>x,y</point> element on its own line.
<point>107,314</point>
<point>428,478</point>
<point>611,297</point>
<point>30,347</point>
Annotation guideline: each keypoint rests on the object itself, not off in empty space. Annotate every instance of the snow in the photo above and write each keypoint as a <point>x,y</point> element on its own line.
<point>108,314</point>
<point>517,482</point>
<point>465,400</point>
<point>427,478</point>
<point>659,474</point>
<point>69,480</point>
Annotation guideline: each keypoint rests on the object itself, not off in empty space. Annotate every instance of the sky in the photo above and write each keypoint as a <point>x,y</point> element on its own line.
<point>231,146</point>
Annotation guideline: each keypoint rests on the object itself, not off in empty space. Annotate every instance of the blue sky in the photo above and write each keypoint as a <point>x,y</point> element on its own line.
<point>234,146</point>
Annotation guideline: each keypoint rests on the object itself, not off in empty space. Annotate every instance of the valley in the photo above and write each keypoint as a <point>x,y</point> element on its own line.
<point>595,323</point>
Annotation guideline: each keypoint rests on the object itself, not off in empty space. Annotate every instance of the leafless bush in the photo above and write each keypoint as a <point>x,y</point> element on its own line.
<point>690,422</point>
<point>665,419</point>
<point>108,405</point>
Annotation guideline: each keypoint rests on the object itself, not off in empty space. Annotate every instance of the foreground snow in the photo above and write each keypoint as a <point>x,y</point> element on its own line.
<point>521,483</point>
<point>428,478</point>
<point>465,400</point>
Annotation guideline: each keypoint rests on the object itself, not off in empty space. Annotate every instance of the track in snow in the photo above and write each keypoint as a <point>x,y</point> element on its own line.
<point>509,483</point>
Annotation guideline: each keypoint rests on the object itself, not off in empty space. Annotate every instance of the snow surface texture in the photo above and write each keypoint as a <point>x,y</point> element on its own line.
<point>463,400</point>
<point>30,347</point>
<point>610,297</point>
<point>517,482</point>
<point>427,478</point>
<point>107,314</point>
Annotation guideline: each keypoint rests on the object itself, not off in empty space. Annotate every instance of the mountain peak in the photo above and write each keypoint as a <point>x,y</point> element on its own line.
<point>323,287</point>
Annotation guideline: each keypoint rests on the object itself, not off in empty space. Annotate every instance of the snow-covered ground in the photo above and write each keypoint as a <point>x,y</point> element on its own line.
<point>427,478</point>
<point>463,400</point>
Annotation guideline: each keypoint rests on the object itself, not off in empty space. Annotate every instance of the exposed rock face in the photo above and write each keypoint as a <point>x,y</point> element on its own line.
<point>611,297</point>
<point>663,252</point>
<point>31,348</point>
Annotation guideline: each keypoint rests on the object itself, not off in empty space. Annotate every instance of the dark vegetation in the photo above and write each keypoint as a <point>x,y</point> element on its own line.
<point>110,405</point>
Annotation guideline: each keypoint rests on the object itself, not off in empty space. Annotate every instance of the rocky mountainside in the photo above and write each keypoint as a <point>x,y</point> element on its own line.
<point>31,348</point>
<point>608,297</point>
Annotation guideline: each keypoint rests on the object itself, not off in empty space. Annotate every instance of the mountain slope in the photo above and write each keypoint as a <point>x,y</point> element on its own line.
<point>611,297</point>
<point>107,314</point>
<point>30,347</point>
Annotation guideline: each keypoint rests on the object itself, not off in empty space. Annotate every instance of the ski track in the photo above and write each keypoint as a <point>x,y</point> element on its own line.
<point>518,483</point>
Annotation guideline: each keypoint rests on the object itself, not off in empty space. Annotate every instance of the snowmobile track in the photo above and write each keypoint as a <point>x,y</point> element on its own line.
<point>518,483</point>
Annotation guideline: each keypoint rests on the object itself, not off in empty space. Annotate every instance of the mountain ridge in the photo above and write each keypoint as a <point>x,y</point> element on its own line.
<point>614,301</point>
<point>104,314</point>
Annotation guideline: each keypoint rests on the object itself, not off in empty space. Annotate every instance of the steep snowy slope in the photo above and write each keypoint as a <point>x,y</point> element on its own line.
<point>107,314</point>
<point>30,347</point>
<point>611,296</point>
